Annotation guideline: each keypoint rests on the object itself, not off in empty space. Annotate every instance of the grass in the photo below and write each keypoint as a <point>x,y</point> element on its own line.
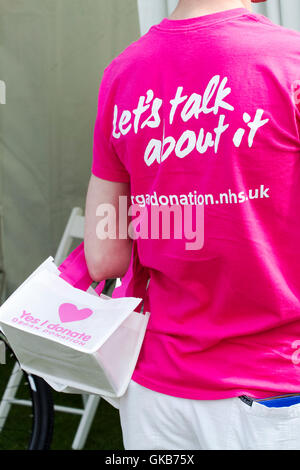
<point>105,432</point>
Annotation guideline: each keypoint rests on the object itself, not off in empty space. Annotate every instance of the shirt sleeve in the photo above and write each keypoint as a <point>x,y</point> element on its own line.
<point>106,164</point>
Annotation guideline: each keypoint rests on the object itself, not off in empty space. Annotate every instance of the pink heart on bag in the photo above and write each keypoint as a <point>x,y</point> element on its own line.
<point>69,312</point>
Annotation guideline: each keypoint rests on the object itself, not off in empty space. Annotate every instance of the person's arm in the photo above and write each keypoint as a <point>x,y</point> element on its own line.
<point>107,258</point>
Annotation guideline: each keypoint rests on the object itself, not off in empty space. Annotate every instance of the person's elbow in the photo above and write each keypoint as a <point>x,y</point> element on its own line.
<point>110,263</point>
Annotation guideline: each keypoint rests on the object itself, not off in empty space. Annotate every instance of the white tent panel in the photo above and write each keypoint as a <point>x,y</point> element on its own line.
<point>290,12</point>
<point>271,9</point>
<point>286,13</point>
<point>150,13</point>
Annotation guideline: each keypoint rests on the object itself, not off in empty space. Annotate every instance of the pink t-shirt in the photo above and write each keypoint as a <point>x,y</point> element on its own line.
<point>202,115</point>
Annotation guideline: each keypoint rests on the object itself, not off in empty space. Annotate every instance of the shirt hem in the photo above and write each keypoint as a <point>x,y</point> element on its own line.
<point>199,395</point>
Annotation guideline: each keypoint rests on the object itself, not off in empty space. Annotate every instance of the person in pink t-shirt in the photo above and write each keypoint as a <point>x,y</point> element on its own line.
<point>197,154</point>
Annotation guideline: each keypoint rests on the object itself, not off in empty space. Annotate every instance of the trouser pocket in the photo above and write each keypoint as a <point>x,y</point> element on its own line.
<point>264,428</point>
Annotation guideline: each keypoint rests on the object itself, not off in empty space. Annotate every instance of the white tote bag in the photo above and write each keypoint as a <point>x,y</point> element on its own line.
<point>65,332</point>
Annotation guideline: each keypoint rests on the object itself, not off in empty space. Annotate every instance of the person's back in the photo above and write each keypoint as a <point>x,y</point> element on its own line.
<point>202,112</point>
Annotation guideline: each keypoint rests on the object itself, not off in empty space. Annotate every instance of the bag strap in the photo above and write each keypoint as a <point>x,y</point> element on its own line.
<point>135,281</point>
<point>74,270</point>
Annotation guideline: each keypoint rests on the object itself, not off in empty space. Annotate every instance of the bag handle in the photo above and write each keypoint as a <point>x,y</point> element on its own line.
<point>135,282</point>
<point>74,270</point>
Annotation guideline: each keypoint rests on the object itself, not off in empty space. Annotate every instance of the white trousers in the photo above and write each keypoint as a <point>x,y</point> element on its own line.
<point>155,421</point>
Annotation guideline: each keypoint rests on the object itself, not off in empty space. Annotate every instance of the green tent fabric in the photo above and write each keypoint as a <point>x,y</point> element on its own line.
<point>52,56</point>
